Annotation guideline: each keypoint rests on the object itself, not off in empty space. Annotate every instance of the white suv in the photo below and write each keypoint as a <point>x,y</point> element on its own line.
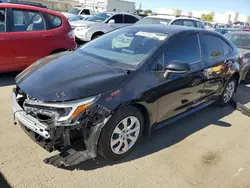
<point>172,20</point>
<point>93,27</point>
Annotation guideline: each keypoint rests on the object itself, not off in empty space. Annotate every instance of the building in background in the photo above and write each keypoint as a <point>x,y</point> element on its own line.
<point>100,5</point>
<point>174,12</point>
<point>222,18</point>
<point>226,17</point>
<point>110,5</point>
<point>186,13</point>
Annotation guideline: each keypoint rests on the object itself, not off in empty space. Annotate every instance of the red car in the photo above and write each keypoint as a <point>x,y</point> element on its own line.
<point>28,33</point>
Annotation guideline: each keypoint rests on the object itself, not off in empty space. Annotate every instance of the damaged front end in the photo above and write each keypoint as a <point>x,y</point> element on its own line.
<point>73,127</point>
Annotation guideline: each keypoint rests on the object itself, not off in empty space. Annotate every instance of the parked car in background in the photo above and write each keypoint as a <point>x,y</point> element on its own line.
<point>115,92</point>
<point>31,34</point>
<point>77,18</point>
<point>79,10</point>
<point>172,20</point>
<point>241,39</point>
<point>208,25</point>
<point>241,25</point>
<point>95,26</point>
<point>223,31</point>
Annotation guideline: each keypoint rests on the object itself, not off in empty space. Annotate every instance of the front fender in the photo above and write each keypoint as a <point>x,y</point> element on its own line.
<point>101,28</point>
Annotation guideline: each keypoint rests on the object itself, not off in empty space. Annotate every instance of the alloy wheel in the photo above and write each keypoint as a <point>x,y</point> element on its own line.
<point>229,91</point>
<point>125,135</point>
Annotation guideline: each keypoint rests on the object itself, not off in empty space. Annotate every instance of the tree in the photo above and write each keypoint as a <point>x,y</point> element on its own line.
<point>148,11</point>
<point>207,17</point>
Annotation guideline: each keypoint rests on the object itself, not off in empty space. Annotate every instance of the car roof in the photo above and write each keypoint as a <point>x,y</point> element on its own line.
<point>29,7</point>
<point>172,29</point>
<point>119,13</point>
<point>173,17</point>
<point>241,32</point>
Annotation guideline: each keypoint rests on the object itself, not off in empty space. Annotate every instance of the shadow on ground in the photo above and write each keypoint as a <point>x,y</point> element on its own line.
<point>174,133</point>
<point>7,79</point>
<point>166,137</point>
<point>3,182</point>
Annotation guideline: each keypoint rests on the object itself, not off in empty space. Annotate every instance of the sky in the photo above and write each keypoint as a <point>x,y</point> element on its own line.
<point>218,6</point>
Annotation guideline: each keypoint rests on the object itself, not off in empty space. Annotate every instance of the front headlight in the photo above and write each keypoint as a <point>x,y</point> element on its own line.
<point>62,113</point>
<point>81,28</point>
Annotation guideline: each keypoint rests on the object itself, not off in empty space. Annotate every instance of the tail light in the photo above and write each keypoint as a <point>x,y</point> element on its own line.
<point>71,35</point>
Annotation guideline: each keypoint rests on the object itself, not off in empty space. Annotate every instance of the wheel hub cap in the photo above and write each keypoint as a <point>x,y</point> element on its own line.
<point>125,135</point>
<point>229,92</point>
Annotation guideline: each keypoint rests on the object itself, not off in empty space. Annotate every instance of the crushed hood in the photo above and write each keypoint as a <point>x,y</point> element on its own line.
<point>69,76</point>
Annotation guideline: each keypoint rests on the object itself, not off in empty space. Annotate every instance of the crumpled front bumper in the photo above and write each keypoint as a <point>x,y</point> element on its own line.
<point>59,138</point>
<point>27,120</point>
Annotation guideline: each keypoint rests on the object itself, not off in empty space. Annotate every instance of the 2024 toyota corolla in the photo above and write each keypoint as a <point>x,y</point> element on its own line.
<point>106,94</point>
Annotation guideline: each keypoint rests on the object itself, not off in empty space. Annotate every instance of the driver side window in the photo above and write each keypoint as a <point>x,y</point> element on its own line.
<point>26,20</point>
<point>185,49</point>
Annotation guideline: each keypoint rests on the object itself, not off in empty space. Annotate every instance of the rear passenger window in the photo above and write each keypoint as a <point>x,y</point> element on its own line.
<point>130,19</point>
<point>188,23</point>
<point>2,20</point>
<point>226,47</point>
<point>177,22</point>
<point>27,20</point>
<point>211,47</point>
<point>186,49</point>
<point>55,21</point>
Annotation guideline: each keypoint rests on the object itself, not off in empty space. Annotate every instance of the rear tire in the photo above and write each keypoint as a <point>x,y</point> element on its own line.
<point>117,140</point>
<point>227,93</point>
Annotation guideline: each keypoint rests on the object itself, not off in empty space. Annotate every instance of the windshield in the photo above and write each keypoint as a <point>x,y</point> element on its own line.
<point>99,17</point>
<point>148,20</point>
<point>241,40</point>
<point>74,11</point>
<point>126,47</point>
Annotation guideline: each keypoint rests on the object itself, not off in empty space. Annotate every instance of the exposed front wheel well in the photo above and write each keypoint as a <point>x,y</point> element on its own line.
<point>236,76</point>
<point>145,114</point>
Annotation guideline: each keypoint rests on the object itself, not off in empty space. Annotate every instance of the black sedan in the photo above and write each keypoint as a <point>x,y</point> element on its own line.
<point>106,94</point>
<point>241,39</point>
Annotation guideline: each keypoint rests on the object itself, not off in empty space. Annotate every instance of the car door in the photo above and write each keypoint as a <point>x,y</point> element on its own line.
<point>6,58</point>
<point>119,21</point>
<point>29,37</point>
<point>179,92</point>
<point>217,63</point>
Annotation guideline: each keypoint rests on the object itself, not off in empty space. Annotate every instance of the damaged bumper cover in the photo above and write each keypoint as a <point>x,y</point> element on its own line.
<point>65,136</point>
<point>27,120</point>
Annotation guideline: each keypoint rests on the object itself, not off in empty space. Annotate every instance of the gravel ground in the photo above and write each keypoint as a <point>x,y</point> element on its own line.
<point>207,149</point>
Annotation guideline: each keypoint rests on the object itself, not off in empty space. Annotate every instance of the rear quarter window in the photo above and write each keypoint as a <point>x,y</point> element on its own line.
<point>55,21</point>
<point>200,25</point>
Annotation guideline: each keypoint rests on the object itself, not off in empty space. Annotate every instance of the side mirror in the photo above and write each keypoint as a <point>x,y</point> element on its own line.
<point>177,67</point>
<point>111,22</point>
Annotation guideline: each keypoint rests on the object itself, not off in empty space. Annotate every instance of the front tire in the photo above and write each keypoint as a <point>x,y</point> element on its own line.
<point>121,133</point>
<point>227,93</point>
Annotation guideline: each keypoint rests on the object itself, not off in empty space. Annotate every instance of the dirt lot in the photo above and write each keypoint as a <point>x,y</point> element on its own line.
<point>207,149</point>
